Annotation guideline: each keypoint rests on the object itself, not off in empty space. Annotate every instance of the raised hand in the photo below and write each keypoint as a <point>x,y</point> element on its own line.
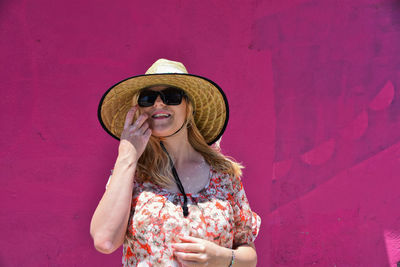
<point>199,252</point>
<point>135,136</point>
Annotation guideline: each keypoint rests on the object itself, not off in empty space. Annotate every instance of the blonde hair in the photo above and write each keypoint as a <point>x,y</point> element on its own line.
<point>154,163</point>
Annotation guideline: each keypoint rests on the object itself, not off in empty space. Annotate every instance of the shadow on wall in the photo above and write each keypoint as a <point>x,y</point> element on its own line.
<point>337,105</point>
<point>336,89</point>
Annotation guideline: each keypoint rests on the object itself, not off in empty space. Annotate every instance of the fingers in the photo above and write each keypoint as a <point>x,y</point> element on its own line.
<point>188,263</point>
<point>188,258</point>
<point>139,128</point>
<point>139,122</point>
<point>190,244</point>
<point>147,133</point>
<point>142,128</point>
<point>191,239</point>
<point>189,247</point>
<point>140,125</point>
<point>129,116</point>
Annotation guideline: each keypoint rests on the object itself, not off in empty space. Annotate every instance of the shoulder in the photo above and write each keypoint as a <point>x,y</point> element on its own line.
<point>229,183</point>
<point>138,187</point>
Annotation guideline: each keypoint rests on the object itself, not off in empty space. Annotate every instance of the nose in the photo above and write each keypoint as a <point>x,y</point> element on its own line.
<point>158,102</point>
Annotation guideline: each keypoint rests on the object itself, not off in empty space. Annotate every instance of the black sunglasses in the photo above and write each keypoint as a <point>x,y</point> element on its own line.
<point>170,96</point>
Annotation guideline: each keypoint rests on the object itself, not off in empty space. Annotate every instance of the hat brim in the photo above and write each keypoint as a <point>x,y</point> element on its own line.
<point>209,102</point>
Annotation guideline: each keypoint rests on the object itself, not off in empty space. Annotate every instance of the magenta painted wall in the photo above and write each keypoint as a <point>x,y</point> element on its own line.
<point>314,91</point>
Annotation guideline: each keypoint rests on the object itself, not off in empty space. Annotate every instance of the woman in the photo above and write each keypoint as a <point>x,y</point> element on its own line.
<point>172,198</point>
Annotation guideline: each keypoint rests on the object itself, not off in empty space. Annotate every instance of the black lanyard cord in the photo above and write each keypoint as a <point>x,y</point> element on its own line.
<point>177,181</point>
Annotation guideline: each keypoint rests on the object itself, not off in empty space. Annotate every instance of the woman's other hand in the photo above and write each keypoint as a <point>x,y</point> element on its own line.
<point>199,252</point>
<point>135,135</point>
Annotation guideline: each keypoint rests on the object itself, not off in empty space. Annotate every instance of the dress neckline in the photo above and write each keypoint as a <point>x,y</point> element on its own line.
<point>165,191</point>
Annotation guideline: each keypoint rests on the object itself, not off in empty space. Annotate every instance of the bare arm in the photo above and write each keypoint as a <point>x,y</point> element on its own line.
<point>199,252</point>
<point>245,255</point>
<point>110,219</point>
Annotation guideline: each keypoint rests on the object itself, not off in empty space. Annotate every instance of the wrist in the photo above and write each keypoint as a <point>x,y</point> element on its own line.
<point>126,160</point>
<point>127,151</point>
<point>124,166</point>
<point>227,256</point>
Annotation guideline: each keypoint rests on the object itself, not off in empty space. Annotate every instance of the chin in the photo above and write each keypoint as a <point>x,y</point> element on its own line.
<point>161,133</point>
<point>164,129</point>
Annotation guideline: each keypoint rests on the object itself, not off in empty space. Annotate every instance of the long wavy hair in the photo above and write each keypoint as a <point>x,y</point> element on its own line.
<point>154,166</point>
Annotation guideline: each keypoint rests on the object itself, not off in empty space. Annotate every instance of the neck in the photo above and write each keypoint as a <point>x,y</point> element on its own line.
<point>179,148</point>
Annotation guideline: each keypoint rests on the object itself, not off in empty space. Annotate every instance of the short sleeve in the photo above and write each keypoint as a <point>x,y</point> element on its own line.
<point>246,222</point>
<point>137,189</point>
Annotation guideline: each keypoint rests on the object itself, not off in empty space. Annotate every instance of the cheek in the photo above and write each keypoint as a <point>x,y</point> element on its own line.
<point>181,117</point>
<point>143,111</point>
<point>182,109</point>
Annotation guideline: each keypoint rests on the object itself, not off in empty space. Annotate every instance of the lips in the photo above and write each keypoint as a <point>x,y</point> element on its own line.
<point>160,115</point>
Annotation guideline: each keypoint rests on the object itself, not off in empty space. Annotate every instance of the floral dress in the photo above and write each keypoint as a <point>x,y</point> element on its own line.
<point>219,213</point>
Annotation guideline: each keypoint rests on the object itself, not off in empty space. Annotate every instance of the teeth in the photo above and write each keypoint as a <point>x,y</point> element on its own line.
<point>160,115</point>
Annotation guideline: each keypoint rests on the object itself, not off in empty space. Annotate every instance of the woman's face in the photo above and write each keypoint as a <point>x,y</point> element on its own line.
<point>163,119</point>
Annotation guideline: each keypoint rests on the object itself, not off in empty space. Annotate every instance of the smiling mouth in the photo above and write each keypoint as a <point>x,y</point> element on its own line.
<point>161,116</point>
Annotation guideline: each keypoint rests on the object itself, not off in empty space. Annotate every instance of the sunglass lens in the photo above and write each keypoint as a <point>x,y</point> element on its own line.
<point>170,96</point>
<point>147,98</point>
<point>173,96</point>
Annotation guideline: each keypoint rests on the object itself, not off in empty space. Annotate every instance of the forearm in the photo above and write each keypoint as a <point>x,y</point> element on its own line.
<point>109,221</point>
<point>245,256</point>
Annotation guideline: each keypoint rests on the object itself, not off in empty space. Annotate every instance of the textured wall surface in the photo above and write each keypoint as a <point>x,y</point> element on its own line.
<point>314,94</point>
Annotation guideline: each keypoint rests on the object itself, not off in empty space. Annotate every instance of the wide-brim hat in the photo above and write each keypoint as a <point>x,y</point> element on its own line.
<point>211,111</point>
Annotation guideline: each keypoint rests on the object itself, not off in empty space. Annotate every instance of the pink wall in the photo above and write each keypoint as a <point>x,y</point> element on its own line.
<point>314,93</point>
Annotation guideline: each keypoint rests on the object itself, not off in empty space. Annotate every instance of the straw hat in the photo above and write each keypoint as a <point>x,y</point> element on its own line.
<point>209,101</point>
